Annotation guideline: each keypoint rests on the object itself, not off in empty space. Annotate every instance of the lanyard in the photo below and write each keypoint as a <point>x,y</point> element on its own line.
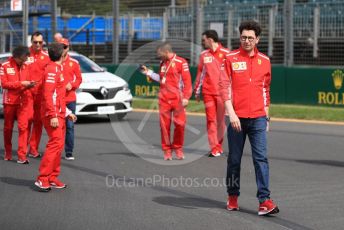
<point>163,81</point>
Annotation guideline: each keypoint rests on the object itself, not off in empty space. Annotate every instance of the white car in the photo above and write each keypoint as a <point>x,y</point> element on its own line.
<point>100,93</point>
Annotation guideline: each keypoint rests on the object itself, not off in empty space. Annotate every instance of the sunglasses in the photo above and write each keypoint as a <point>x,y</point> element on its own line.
<point>244,38</point>
<point>37,42</point>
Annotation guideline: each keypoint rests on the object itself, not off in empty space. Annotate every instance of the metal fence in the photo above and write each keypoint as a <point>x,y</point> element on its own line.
<point>315,36</point>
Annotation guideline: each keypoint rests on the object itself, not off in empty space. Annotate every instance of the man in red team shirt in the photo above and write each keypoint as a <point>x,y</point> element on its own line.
<point>246,93</point>
<point>14,79</point>
<point>53,113</point>
<point>37,61</point>
<point>210,67</point>
<point>175,91</point>
<point>73,79</point>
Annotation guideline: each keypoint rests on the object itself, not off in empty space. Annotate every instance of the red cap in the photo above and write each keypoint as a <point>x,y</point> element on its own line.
<point>64,41</point>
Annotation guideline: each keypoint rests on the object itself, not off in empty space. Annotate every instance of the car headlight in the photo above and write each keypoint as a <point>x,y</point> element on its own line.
<point>126,87</point>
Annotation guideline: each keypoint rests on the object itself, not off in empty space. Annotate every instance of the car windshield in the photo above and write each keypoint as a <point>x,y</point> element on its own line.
<point>86,65</point>
<point>3,59</point>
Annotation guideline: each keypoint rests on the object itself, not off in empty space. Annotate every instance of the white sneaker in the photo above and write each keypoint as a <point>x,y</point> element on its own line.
<point>24,162</point>
<point>70,158</point>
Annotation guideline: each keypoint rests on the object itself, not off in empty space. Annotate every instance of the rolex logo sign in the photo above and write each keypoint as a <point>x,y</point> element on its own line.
<point>337,76</point>
<point>333,97</point>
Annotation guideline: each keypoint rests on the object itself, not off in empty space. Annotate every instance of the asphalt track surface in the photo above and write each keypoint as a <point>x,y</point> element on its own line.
<point>110,187</point>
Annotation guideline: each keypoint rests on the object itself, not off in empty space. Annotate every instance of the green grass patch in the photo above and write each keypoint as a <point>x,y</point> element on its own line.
<point>276,110</point>
<point>320,113</point>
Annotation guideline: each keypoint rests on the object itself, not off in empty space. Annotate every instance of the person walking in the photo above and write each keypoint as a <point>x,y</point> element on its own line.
<point>72,75</point>
<point>246,93</point>
<point>37,62</point>
<point>210,67</point>
<point>175,91</point>
<point>54,113</point>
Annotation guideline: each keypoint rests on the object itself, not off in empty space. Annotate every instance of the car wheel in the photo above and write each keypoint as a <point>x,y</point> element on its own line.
<point>117,116</point>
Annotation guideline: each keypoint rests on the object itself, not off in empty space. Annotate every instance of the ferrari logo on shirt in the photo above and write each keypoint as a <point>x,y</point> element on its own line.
<point>42,57</point>
<point>163,69</point>
<point>30,60</point>
<point>208,60</point>
<point>222,67</point>
<point>70,64</point>
<point>239,66</point>
<point>10,71</point>
<point>173,64</point>
<point>220,55</point>
<point>259,61</point>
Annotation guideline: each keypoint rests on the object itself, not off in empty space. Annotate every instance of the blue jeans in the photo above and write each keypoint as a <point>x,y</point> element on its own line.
<point>69,141</point>
<point>255,129</point>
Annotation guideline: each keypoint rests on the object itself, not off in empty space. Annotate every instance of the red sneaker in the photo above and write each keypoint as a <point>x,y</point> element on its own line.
<point>8,157</point>
<point>56,183</point>
<point>168,155</point>
<point>232,203</point>
<point>220,150</point>
<point>214,154</point>
<point>43,185</point>
<point>34,155</point>
<point>268,207</point>
<point>180,154</point>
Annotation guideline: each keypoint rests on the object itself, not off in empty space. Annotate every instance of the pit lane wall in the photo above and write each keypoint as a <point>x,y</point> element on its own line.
<point>290,85</point>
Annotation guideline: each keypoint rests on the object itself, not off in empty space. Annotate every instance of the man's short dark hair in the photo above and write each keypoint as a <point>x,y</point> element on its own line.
<point>250,25</point>
<point>211,34</point>
<point>55,51</point>
<point>36,34</point>
<point>20,51</point>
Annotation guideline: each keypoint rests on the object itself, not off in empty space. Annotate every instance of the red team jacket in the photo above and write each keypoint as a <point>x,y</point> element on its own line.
<point>248,83</point>
<point>210,67</point>
<point>53,103</point>
<point>11,76</point>
<point>72,74</point>
<point>177,79</point>
<point>37,62</point>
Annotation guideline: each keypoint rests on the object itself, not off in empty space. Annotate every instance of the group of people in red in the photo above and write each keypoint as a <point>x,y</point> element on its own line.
<point>36,88</point>
<point>235,86</point>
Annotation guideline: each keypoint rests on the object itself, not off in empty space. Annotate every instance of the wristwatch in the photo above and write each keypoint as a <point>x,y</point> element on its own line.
<point>267,118</point>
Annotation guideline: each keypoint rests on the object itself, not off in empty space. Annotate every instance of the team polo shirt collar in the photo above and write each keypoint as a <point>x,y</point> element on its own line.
<point>171,58</point>
<point>67,58</point>
<point>244,53</point>
<point>217,49</point>
<point>32,51</point>
<point>14,63</point>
